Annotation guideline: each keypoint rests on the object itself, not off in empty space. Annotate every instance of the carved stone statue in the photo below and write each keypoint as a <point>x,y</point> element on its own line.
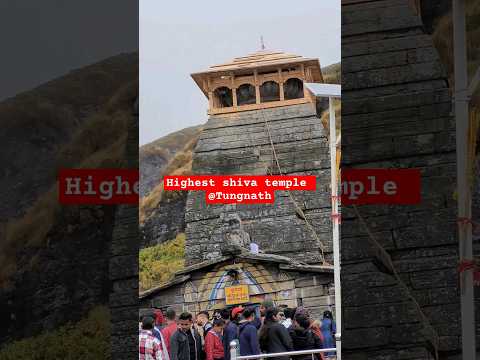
<point>235,239</point>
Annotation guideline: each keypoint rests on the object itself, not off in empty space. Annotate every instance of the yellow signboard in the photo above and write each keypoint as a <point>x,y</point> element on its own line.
<point>236,294</point>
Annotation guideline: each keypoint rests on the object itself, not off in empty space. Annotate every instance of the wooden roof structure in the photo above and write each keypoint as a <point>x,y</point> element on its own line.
<point>262,60</point>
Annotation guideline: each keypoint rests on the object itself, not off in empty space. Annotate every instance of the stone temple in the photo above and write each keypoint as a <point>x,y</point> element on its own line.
<point>254,102</point>
<point>262,121</point>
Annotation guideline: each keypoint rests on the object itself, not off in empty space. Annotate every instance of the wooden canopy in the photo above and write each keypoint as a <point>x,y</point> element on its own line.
<point>255,70</point>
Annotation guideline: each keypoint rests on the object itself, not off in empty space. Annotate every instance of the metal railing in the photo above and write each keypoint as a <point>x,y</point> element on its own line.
<point>235,354</point>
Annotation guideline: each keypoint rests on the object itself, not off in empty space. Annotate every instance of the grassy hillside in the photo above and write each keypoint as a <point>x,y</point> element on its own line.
<point>332,74</point>
<point>157,264</point>
<point>168,145</point>
<point>38,123</point>
<point>155,156</point>
<point>98,143</point>
<point>180,163</point>
<point>87,339</point>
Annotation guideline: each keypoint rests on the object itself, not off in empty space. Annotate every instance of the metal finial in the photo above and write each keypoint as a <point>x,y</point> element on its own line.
<point>262,44</point>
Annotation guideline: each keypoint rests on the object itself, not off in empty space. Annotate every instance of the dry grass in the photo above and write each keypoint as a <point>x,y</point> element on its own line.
<point>180,164</point>
<point>99,143</point>
<point>443,40</point>
<point>101,140</point>
<point>338,118</point>
<point>332,74</point>
<point>168,146</point>
<point>30,231</point>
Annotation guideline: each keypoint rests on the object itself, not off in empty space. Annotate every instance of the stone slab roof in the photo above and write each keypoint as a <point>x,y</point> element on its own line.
<point>284,262</point>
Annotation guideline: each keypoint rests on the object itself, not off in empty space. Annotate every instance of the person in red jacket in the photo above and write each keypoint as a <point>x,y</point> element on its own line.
<point>171,327</point>
<point>159,318</point>
<point>213,341</point>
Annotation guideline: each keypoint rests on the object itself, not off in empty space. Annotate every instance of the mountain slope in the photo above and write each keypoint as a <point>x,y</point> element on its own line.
<point>36,124</point>
<point>55,258</point>
<point>155,156</point>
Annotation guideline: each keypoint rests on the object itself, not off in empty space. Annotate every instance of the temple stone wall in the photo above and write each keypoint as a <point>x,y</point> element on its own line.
<point>193,291</point>
<point>123,266</point>
<point>396,113</point>
<point>239,144</point>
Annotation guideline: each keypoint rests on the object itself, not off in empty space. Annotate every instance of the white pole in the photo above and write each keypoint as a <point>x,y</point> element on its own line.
<point>234,349</point>
<point>463,189</point>
<point>335,222</point>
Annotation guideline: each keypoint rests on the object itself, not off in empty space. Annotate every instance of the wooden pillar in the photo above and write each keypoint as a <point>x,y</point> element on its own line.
<point>305,90</point>
<point>308,75</point>
<point>210,100</point>
<point>257,87</point>
<point>234,96</point>
<point>280,83</point>
<point>211,103</point>
<point>234,91</point>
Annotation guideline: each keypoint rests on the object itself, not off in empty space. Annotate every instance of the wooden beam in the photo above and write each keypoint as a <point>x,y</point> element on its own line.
<point>308,268</point>
<point>211,106</point>
<point>257,87</point>
<point>234,91</point>
<point>280,83</point>
<point>305,90</point>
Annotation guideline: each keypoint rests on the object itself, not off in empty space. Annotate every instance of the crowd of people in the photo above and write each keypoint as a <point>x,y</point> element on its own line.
<point>266,329</point>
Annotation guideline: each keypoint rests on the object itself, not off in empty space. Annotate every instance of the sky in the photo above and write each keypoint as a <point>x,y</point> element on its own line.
<point>177,39</point>
<point>42,40</point>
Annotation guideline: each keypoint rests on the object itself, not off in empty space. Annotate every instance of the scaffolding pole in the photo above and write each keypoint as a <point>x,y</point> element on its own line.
<point>463,188</point>
<point>332,92</point>
<point>336,228</point>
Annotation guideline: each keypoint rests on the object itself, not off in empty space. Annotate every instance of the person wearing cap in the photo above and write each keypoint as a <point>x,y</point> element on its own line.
<point>230,332</point>
<point>149,347</point>
<point>236,311</point>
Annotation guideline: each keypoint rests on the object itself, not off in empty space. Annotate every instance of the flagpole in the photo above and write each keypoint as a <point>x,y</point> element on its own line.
<point>463,188</point>
<point>333,91</point>
<point>335,227</point>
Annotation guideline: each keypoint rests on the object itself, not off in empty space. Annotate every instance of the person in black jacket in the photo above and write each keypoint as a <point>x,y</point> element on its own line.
<point>186,342</point>
<point>274,337</point>
<point>303,338</point>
